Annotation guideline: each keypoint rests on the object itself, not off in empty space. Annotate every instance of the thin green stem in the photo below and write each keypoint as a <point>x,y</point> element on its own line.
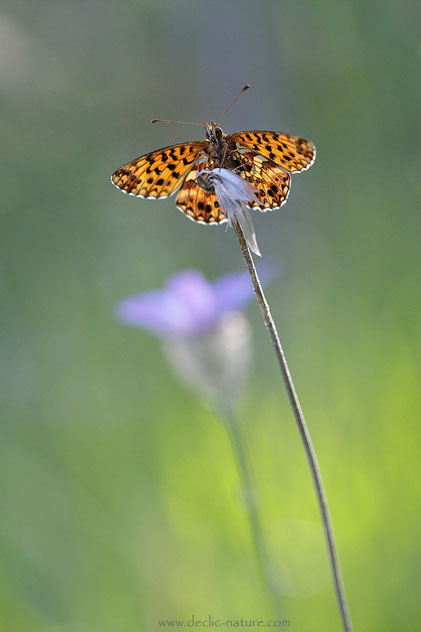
<point>303,430</point>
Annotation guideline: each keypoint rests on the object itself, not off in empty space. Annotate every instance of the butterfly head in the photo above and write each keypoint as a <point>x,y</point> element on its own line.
<point>214,133</point>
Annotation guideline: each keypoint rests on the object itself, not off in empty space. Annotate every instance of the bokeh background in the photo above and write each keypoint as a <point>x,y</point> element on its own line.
<point>119,492</point>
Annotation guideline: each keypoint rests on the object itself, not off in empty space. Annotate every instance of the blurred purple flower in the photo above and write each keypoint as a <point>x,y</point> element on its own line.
<point>189,305</point>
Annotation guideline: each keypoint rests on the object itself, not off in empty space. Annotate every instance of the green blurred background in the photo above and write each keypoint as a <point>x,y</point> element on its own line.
<point>119,492</point>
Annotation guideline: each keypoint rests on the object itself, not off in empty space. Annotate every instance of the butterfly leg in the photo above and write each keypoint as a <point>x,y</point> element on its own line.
<point>224,155</point>
<point>202,181</point>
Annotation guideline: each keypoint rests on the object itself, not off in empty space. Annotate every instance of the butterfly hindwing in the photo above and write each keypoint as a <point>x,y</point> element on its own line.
<point>159,173</point>
<point>293,153</point>
<point>199,205</point>
<point>271,182</point>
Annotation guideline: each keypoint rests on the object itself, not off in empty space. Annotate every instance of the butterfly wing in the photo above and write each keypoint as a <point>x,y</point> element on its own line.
<point>271,182</point>
<point>293,153</point>
<point>198,204</point>
<point>159,173</point>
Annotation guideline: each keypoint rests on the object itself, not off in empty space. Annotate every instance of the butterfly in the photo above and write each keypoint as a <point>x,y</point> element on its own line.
<point>265,159</point>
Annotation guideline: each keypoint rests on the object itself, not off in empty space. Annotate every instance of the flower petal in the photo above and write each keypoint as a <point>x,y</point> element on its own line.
<point>233,291</point>
<point>196,294</point>
<point>232,191</point>
<point>157,311</point>
<point>236,186</point>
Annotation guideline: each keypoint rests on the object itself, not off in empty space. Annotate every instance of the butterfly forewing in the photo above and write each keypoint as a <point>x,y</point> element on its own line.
<point>286,150</point>
<point>159,173</point>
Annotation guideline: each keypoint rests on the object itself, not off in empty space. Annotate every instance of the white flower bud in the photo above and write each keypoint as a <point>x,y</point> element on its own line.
<point>232,191</point>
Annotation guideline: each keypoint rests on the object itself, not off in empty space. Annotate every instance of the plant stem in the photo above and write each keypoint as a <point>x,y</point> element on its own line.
<point>303,430</point>
<point>250,500</point>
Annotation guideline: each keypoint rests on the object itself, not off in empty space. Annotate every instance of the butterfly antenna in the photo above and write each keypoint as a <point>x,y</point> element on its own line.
<point>238,95</point>
<point>181,122</point>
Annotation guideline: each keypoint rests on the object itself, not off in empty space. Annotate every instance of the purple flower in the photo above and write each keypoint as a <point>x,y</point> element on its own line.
<point>188,305</point>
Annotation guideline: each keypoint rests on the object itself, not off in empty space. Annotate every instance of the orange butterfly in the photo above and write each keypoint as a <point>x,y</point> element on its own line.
<point>264,159</point>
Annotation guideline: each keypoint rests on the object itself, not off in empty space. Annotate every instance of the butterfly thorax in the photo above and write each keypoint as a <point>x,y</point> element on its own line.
<point>217,144</point>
